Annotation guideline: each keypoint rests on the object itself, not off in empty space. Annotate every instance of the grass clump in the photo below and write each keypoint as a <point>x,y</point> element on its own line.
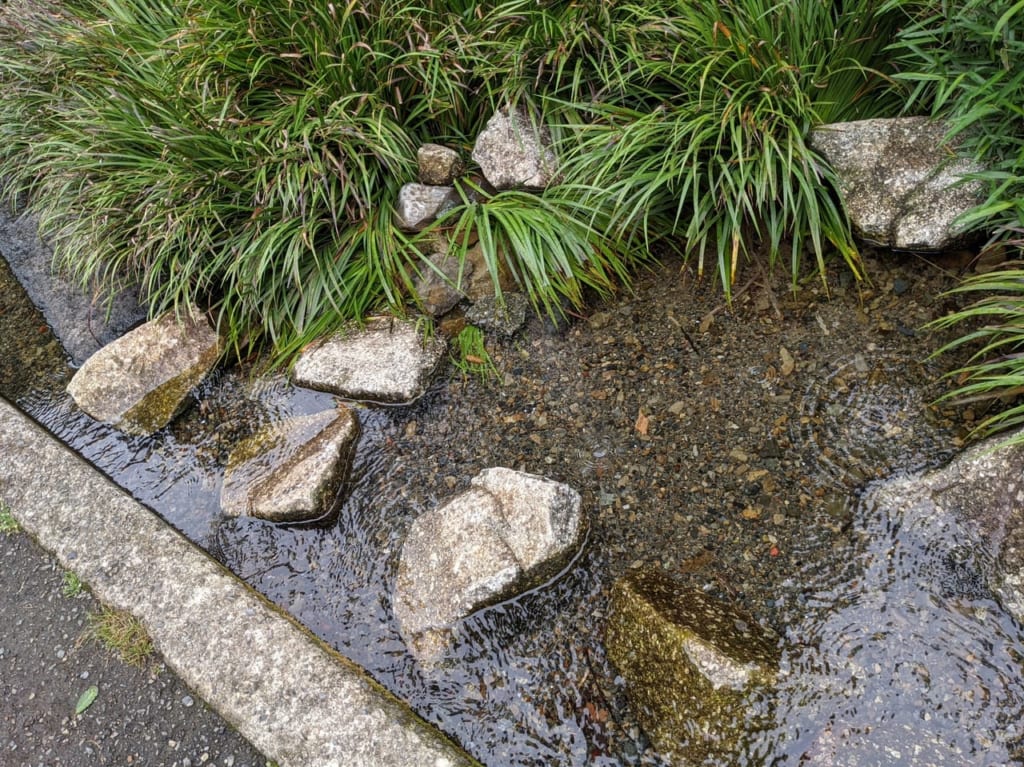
<point>962,62</point>
<point>247,156</point>
<point>470,355</point>
<point>121,633</point>
<point>72,584</point>
<point>8,524</point>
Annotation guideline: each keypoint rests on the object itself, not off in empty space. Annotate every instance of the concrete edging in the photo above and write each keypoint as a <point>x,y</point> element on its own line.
<point>294,699</point>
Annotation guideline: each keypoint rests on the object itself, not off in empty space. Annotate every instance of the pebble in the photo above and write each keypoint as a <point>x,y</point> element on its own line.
<point>187,701</point>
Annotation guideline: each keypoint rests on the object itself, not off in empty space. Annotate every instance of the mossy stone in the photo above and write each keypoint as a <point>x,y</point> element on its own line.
<point>698,673</point>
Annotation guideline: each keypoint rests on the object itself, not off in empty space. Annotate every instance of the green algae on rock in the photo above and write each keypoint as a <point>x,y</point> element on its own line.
<point>291,470</point>
<point>694,667</point>
<point>140,382</point>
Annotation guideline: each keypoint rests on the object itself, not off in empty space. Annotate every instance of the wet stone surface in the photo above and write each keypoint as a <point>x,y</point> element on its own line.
<point>726,446</point>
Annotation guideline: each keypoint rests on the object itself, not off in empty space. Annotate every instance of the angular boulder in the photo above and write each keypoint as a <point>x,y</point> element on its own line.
<point>441,283</point>
<point>419,205</point>
<point>388,361</point>
<point>139,382</point>
<point>692,666</point>
<point>438,165</point>
<point>290,471</point>
<point>901,180</point>
<point>509,532</point>
<point>514,151</point>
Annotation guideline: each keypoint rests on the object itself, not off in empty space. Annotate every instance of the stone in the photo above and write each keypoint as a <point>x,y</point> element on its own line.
<point>514,151</point>
<point>481,281</point>
<point>441,282</point>
<point>982,490</point>
<point>692,667</point>
<point>290,471</point>
<point>139,382</point>
<point>419,205</point>
<point>901,180</point>
<point>509,532</point>
<point>438,165</point>
<point>83,321</point>
<point>503,316</point>
<point>389,361</point>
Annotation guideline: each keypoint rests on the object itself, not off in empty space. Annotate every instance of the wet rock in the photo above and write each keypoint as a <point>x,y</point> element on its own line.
<point>139,382</point>
<point>508,533</point>
<point>692,666</point>
<point>438,165</point>
<point>441,283</point>
<point>387,361</point>
<point>290,471</point>
<point>504,317</point>
<point>419,204</point>
<point>514,151</point>
<point>482,282</point>
<point>84,322</point>
<point>901,180</point>
<point>983,488</point>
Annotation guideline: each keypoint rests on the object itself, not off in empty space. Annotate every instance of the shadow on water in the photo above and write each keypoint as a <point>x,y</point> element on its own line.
<point>894,650</point>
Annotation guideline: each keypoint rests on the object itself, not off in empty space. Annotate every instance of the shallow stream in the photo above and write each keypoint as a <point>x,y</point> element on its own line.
<point>733,447</point>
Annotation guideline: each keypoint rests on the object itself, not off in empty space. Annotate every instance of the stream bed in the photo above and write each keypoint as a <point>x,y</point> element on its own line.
<point>735,447</point>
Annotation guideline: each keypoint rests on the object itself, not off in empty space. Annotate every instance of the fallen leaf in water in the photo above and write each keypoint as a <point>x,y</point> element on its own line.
<point>642,424</point>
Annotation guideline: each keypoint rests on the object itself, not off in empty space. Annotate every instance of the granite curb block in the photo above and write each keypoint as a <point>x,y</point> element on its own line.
<point>296,701</point>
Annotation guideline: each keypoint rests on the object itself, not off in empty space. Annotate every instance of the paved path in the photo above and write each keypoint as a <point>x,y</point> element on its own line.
<point>299,703</point>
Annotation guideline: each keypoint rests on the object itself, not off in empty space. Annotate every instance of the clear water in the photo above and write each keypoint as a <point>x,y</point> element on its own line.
<point>894,651</point>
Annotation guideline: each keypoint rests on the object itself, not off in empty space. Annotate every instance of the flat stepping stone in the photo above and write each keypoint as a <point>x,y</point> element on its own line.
<point>388,361</point>
<point>140,382</point>
<point>291,470</point>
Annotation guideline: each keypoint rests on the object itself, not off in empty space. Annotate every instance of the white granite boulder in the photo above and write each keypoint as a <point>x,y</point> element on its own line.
<point>901,180</point>
<point>139,382</point>
<point>291,470</point>
<point>514,151</point>
<point>388,361</point>
<point>420,204</point>
<point>509,532</point>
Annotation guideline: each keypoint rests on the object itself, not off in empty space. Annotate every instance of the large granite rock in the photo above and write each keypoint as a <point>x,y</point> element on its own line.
<point>901,180</point>
<point>139,382</point>
<point>983,489</point>
<point>83,321</point>
<point>389,361</point>
<point>514,151</point>
<point>692,667</point>
<point>291,470</point>
<point>509,532</point>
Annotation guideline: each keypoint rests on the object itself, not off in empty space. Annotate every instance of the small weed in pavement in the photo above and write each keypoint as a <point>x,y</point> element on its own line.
<point>122,633</point>
<point>8,524</point>
<point>72,585</point>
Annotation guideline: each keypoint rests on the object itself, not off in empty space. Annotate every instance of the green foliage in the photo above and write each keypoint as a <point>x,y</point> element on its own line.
<point>122,633</point>
<point>470,355</point>
<point>72,584</point>
<point>963,63</point>
<point>715,147</point>
<point>247,156</point>
<point>8,524</point>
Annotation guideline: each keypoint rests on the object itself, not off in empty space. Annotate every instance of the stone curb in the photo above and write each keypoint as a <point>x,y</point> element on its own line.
<point>294,699</point>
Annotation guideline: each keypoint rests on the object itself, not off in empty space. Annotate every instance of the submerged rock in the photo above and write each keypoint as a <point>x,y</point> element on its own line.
<point>387,361</point>
<point>509,532</point>
<point>514,151</point>
<point>694,668</point>
<point>504,316</point>
<point>139,382</point>
<point>983,489</point>
<point>901,180</point>
<point>291,470</point>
